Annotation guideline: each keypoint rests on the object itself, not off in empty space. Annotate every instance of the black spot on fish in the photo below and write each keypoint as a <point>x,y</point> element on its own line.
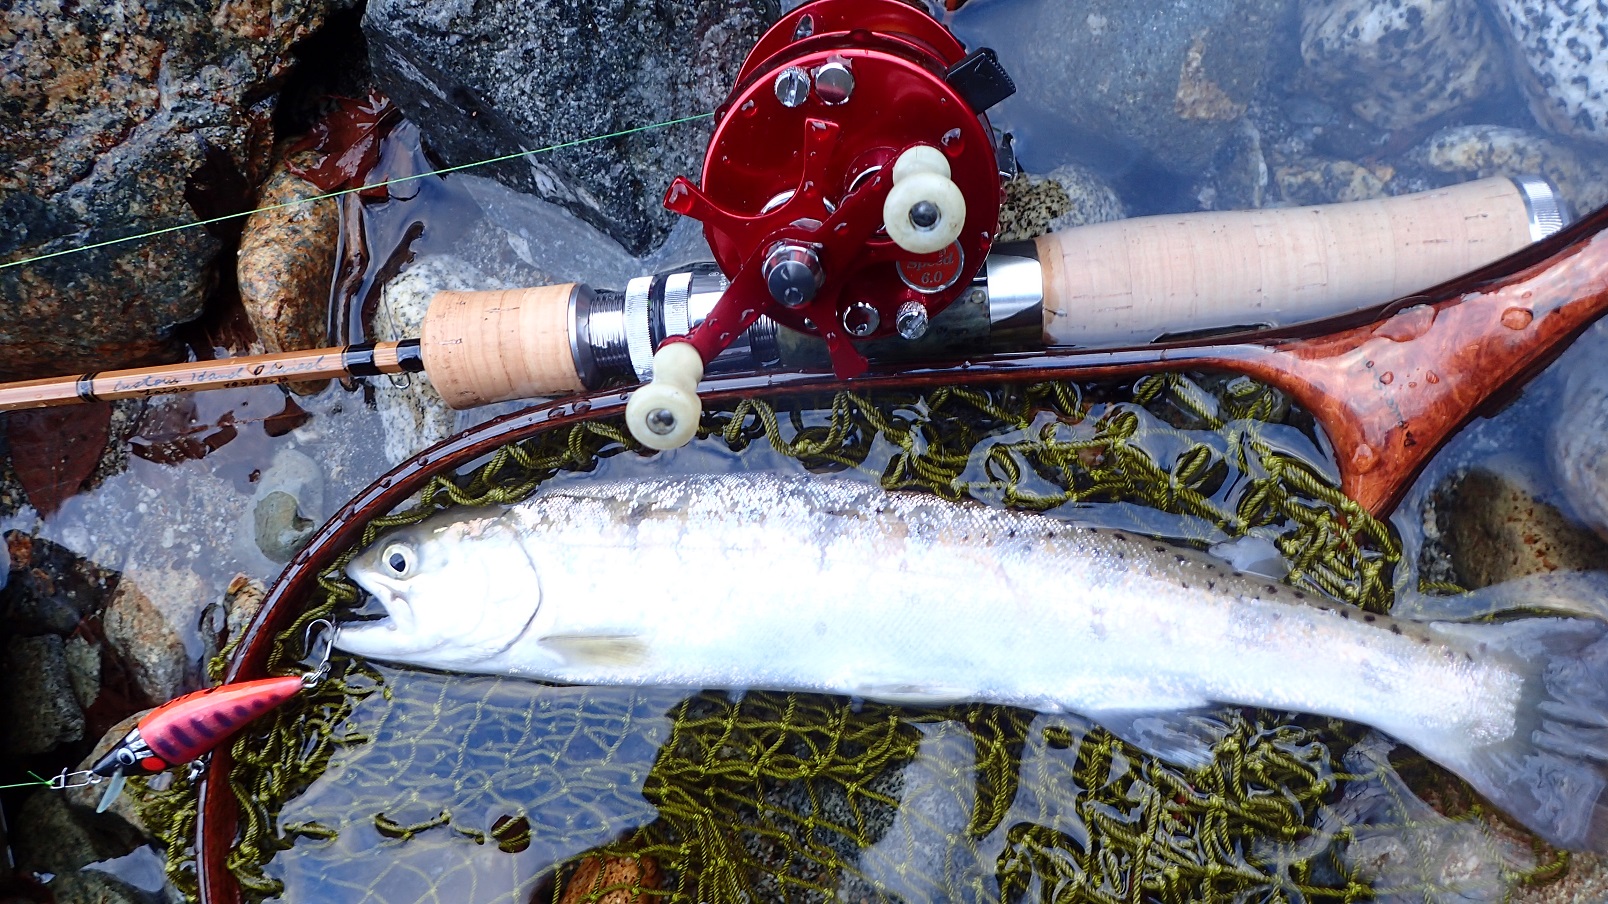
<point>1345,613</point>
<point>1468,656</point>
<point>1272,590</point>
<point>1395,629</point>
<point>1161,549</point>
<point>1424,641</point>
<point>1299,595</point>
<point>1239,574</point>
<point>1120,536</point>
<point>1181,560</point>
<point>1368,618</point>
<point>1211,585</point>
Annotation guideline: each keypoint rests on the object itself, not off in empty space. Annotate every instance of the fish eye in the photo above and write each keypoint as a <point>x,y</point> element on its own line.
<point>398,560</point>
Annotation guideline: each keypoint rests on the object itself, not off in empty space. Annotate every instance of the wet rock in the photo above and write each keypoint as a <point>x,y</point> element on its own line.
<point>54,836</point>
<point>110,112</point>
<point>1497,525</point>
<point>1585,882</point>
<point>1401,62</point>
<point>52,589</point>
<point>83,669</point>
<point>1561,47</point>
<point>1304,182</point>
<point>288,505</point>
<point>1071,195</point>
<point>93,886</point>
<point>1477,151</point>
<point>1576,443</point>
<point>39,708</point>
<point>286,264</point>
<point>414,415</point>
<point>1238,179</point>
<point>543,72</point>
<point>147,636</point>
<point>1103,77</point>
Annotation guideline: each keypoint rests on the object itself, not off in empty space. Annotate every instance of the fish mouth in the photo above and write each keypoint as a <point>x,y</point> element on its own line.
<point>383,625</point>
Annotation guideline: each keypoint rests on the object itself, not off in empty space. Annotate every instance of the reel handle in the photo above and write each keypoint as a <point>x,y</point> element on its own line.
<point>1134,281</point>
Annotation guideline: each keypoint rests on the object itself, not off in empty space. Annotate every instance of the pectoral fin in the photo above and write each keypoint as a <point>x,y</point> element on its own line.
<point>1185,738</point>
<point>598,650</point>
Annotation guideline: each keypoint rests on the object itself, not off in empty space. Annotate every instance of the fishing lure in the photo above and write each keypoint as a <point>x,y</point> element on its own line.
<point>187,729</point>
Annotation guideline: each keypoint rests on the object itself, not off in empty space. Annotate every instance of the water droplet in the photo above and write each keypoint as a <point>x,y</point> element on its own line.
<point>748,108</point>
<point>582,406</point>
<point>1431,378</point>
<point>1517,318</point>
<point>1387,378</point>
<point>953,142</point>
<point>1364,458</point>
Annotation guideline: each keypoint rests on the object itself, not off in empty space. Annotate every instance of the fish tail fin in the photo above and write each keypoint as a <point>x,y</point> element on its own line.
<point>1551,772</point>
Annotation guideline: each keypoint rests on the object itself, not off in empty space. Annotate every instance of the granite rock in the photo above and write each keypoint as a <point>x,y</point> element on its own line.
<point>288,505</point>
<point>1071,195</point>
<point>109,111</point>
<point>1497,522</point>
<point>1105,81</point>
<point>286,263</point>
<point>39,707</point>
<point>1317,181</point>
<point>147,636</point>
<point>1477,151</point>
<point>485,80</point>
<point>1401,62</point>
<point>1561,48</point>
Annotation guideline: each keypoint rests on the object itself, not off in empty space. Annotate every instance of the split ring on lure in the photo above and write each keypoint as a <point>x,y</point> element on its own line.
<point>188,728</point>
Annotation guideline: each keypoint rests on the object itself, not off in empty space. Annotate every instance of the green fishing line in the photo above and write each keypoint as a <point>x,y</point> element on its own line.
<point>347,191</point>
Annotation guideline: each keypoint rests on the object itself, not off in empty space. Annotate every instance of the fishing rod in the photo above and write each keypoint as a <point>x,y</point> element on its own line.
<point>850,196</point>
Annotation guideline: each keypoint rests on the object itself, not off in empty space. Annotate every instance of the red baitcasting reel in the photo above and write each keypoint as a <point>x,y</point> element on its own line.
<point>851,191</point>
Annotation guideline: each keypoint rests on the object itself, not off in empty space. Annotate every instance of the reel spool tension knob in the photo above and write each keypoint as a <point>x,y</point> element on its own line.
<point>925,211</point>
<point>663,413</point>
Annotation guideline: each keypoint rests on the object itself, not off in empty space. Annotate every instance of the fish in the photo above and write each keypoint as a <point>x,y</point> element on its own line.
<point>752,581</point>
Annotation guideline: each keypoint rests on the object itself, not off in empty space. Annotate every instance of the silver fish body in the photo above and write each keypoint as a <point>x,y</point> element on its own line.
<point>831,586</point>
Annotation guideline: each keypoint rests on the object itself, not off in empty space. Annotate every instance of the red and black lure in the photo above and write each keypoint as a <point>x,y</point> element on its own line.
<point>188,728</point>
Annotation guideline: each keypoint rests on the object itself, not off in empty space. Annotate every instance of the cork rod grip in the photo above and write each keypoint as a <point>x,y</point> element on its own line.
<point>1134,281</point>
<point>483,347</point>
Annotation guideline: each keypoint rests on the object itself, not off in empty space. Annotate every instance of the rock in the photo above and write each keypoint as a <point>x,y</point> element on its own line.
<point>53,588</point>
<point>1497,526</point>
<point>111,110</point>
<point>83,669</point>
<point>54,836</point>
<point>544,72</point>
<point>288,505</point>
<point>1585,882</point>
<point>1304,182</point>
<point>1575,444</point>
<point>1401,62</point>
<point>1102,78</point>
<point>286,264</point>
<point>147,637</point>
<point>39,708</point>
<point>1238,179</point>
<point>1562,49</point>
<point>414,416</point>
<point>93,886</point>
<point>1477,151</point>
<point>1071,195</point>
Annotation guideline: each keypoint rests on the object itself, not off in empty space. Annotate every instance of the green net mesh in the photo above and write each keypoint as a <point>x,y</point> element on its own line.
<point>411,786</point>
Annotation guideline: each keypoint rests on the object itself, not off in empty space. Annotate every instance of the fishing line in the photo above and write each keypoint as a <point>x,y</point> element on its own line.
<point>346,191</point>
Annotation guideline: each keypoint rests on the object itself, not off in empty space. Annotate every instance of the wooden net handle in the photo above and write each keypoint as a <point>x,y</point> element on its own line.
<point>1133,281</point>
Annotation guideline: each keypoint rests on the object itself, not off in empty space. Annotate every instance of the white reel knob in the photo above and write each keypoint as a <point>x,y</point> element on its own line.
<point>663,413</point>
<point>925,211</point>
